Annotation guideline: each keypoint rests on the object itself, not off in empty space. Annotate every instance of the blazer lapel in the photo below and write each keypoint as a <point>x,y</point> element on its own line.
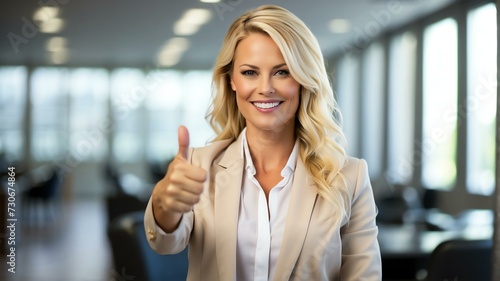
<point>302,202</point>
<point>228,179</point>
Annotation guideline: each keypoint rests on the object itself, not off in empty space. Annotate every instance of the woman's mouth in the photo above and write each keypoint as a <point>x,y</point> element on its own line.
<point>266,105</point>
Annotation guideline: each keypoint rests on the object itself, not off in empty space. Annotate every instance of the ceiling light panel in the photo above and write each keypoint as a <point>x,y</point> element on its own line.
<point>339,26</point>
<point>55,44</point>
<point>191,21</point>
<point>45,13</point>
<point>172,51</point>
<point>53,25</point>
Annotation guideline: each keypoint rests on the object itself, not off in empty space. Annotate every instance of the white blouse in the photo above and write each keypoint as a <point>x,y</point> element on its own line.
<point>260,232</point>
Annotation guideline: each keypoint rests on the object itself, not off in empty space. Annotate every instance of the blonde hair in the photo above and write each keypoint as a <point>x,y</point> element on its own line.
<point>318,125</point>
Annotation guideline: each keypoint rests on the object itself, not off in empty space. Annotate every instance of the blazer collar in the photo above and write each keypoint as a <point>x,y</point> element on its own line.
<point>301,206</point>
<point>228,179</point>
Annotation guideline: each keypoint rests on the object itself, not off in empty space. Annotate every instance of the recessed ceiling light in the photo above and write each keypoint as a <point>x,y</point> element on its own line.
<point>45,13</point>
<point>59,57</point>
<point>191,21</point>
<point>172,51</point>
<point>185,29</point>
<point>55,44</point>
<point>168,60</point>
<point>339,26</point>
<point>53,25</point>
<point>210,1</point>
<point>197,16</point>
<point>177,43</point>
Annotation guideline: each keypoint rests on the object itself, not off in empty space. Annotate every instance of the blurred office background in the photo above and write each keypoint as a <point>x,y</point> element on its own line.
<point>92,93</point>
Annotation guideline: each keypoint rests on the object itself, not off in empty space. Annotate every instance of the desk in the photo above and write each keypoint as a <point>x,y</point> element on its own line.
<point>406,249</point>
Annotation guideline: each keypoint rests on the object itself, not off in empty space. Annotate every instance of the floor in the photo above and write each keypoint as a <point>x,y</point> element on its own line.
<point>71,246</point>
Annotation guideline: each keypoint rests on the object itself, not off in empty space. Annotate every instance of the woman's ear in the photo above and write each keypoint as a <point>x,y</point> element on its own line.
<point>233,86</point>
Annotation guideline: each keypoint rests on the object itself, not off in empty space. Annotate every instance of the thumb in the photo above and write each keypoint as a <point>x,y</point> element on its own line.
<point>183,137</point>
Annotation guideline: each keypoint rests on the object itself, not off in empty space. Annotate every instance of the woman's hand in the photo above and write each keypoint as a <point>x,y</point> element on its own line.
<point>180,189</point>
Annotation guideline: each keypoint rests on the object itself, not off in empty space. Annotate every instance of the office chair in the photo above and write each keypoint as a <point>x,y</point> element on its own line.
<point>118,201</point>
<point>41,201</point>
<point>132,255</point>
<point>461,260</point>
<point>399,206</point>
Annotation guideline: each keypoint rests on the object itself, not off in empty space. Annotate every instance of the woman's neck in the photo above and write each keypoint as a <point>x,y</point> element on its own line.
<point>270,150</point>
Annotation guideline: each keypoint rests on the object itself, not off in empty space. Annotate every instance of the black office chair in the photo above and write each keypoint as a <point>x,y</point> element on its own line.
<point>398,206</point>
<point>41,201</point>
<point>132,255</point>
<point>461,260</point>
<point>118,201</point>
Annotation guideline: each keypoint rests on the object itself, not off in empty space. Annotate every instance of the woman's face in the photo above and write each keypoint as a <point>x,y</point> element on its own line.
<point>266,93</point>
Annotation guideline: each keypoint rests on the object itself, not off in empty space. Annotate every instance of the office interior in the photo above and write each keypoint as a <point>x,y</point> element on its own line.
<point>92,94</point>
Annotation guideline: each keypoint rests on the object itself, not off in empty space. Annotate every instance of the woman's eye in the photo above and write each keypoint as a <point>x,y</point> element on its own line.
<point>248,72</point>
<point>282,72</point>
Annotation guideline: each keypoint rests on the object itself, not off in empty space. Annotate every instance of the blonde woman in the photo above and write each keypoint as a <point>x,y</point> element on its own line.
<point>274,196</point>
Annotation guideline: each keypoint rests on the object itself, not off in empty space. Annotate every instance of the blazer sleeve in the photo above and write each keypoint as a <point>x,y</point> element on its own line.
<point>360,250</point>
<point>167,243</point>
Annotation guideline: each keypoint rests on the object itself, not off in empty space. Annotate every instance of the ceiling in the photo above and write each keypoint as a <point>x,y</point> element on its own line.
<point>131,32</point>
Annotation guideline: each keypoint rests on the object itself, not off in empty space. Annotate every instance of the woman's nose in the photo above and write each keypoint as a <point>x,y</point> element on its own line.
<point>266,86</point>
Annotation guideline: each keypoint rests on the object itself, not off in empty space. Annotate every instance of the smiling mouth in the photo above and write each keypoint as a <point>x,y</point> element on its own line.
<point>266,105</point>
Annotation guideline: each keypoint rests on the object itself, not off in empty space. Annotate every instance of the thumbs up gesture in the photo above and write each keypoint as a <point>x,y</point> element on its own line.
<point>180,189</point>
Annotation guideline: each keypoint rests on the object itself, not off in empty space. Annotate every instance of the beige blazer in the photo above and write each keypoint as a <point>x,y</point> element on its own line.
<point>312,249</point>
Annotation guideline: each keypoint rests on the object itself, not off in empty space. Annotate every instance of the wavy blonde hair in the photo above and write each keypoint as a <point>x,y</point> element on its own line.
<point>318,125</point>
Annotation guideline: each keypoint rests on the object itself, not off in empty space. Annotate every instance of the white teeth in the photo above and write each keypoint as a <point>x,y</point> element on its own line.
<point>266,105</point>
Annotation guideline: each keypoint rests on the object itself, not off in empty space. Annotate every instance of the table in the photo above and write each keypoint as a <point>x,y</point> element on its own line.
<point>406,249</point>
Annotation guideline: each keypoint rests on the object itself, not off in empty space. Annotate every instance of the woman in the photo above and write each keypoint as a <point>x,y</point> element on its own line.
<point>274,196</point>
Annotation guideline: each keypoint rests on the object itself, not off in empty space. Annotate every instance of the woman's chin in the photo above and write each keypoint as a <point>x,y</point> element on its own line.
<point>275,127</point>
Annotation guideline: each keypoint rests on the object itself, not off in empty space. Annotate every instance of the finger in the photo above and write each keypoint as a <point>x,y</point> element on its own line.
<point>179,183</point>
<point>196,174</point>
<point>185,197</point>
<point>179,207</point>
<point>183,138</point>
<point>182,170</point>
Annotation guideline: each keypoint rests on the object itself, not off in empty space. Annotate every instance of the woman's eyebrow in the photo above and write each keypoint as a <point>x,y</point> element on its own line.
<point>256,67</point>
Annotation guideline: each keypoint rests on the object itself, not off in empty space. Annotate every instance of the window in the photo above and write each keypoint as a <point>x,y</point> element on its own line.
<point>180,99</point>
<point>49,102</point>
<point>88,109</point>
<point>481,99</point>
<point>347,94</point>
<point>12,108</point>
<point>128,90</point>
<point>438,145</point>
<point>401,108</point>
<point>164,105</point>
<point>372,104</point>
<point>196,100</point>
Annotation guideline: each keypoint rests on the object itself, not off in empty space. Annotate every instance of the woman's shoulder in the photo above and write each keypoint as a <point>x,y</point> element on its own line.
<point>353,164</point>
<point>355,172</point>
